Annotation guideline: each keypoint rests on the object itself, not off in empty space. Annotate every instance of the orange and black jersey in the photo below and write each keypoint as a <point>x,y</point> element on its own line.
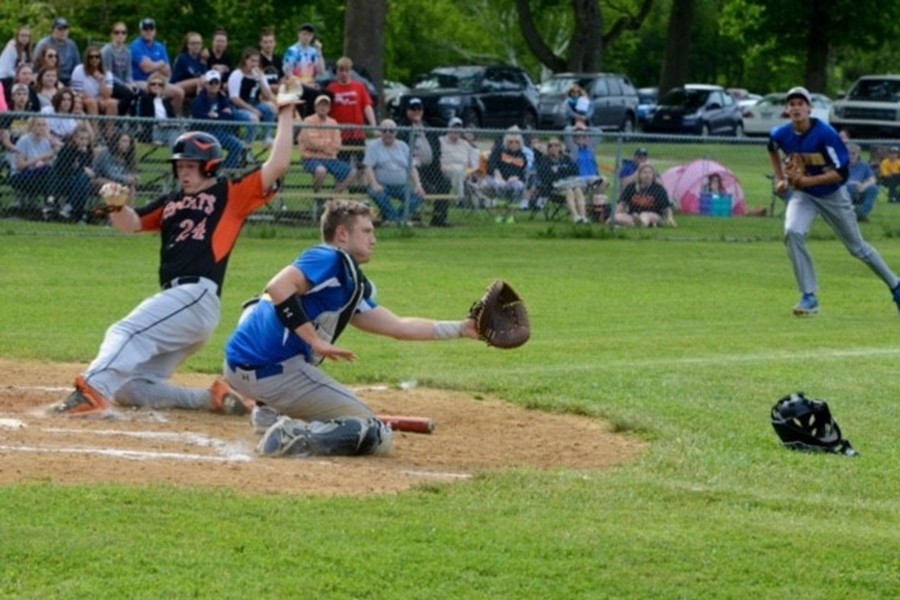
<point>199,231</point>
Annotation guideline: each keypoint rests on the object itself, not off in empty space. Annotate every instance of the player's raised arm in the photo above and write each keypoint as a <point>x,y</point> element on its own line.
<point>279,159</point>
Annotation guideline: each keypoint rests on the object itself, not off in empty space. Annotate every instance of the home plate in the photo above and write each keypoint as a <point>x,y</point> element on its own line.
<point>11,424</point>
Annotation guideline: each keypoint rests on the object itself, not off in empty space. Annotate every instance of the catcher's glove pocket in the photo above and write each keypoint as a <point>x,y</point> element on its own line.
<point>501,318</point>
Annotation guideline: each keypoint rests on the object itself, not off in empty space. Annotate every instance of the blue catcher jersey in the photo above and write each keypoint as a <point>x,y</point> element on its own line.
<point>339,290</point>
<point>821,147</point>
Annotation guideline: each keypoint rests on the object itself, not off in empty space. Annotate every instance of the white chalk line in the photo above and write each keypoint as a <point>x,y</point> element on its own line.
<point>130,454</point>
<point>436,474</point>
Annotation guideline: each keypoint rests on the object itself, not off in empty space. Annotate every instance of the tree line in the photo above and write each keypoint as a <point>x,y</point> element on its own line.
<point>762,45</point>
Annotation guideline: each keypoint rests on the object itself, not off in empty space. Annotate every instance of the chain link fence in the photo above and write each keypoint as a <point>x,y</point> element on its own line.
<point>696,187</point>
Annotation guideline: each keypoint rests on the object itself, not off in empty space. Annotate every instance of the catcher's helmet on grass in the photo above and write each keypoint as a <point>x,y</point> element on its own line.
<point>201,147</point>
<point>804,424</point>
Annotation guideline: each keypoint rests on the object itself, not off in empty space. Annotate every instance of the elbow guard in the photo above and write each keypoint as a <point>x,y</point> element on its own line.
<point>290,312</point>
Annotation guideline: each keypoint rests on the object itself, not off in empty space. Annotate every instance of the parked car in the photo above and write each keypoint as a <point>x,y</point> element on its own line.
<point>697,109</point>
<point>769,112</point>
<point>495,96</point>
<point>647,99</point>
<point>614,100</point>
<point>871,108</point>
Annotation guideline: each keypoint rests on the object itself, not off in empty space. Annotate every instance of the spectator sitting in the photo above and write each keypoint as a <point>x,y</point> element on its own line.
<point>459,157</point>
<point>320,143</point>
<point>554,169</point>
<point>250,94</point>
<point>862,185</point>
<point>46,57</point>
<point>578,105</point>
<point>17,51</point>
<point>189,67</point>
<point>389,173</point>
<point>117,60</point>
<point>154,104</point>
<point>66,50</point>
<point>117,162</point>
<point>61,125</point>
<point>890,173</point>
<point>46,84</point>
<point>644,202</point>
<point>212,104</point>
<point>73,174</point>
<point>148,57</point>
<point>12,128</point>
<point>35,153</point>
<point>508,170</point>
<point>25,77</point>
<point>95,87</point>
<point>218,58</point>
<point>628,170</point>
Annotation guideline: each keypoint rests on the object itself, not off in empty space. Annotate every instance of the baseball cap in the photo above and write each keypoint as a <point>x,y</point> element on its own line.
<point>148,23</point>
<point>641,152</point>
<point>212,75</point>
<point>455,122</point>
<point>307,27</point>
<point>415,103</point>
<point>322,98</point>
<point>799,92</point>
<point>60,24</point>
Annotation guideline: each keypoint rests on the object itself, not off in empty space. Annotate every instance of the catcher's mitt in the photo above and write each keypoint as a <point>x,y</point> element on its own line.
<point>290,93</point>
<point>794,168</point>
<point>501,318</point>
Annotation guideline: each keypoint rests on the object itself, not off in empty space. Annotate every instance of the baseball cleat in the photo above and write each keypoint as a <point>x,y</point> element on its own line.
<point>287,437</point>
<point>896,294</point>
<point>808,306</point>
<point>84,401</point>
<point>225,400</point>
<point>263,417</point>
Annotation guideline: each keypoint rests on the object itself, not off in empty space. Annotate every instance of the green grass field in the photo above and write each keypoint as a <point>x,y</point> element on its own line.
<point>677,337</point>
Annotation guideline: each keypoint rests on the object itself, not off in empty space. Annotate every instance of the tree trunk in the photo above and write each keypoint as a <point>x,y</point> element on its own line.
<point>678,45</point>
<point>818,47</point>
<point>365,23</point>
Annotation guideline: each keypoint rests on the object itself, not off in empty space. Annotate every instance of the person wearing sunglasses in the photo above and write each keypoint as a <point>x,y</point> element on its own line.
<point>117,61</point>
<point>95,85</point>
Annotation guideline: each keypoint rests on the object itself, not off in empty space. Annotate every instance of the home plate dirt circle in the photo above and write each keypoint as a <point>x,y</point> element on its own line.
<point>199,449</point>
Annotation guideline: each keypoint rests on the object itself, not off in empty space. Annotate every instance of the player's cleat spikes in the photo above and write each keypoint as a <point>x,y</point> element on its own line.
<point>225,400</point>
<point>807,306</point>
<point>84,401</point>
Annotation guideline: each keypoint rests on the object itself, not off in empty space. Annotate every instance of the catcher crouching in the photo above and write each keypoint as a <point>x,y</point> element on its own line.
<point>284,335</point>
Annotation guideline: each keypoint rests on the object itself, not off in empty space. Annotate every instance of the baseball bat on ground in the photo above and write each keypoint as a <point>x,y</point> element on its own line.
<point>407,423</point>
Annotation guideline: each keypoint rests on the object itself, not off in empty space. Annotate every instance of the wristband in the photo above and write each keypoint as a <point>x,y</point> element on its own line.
<point>447,330</point>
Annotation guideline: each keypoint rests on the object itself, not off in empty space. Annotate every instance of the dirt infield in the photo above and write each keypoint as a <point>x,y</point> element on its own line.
<point>185,448</point>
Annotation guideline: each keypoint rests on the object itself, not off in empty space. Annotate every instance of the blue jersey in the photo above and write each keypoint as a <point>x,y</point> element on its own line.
<point>338,291</point>
<point>821,147</point>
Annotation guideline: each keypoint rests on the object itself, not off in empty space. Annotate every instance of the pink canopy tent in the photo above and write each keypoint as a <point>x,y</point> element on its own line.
<point>685,183</point>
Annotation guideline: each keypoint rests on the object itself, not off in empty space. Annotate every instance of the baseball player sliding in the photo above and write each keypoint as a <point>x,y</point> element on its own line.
<point>816,170</point>
<point>283,336</point>
<point>199,224</point>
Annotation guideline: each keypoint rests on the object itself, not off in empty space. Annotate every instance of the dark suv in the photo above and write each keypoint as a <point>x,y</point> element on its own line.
<point>697,109</point>
<point>614,100</point>
<point>493,97</point>
<point>871,108</point>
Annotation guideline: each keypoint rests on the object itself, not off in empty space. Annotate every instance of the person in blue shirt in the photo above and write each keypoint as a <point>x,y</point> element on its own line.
<point>148,57</point>
<point>862,185</point>
<point>820,190</point>
<point>282,337</point>
<point>213,104</point>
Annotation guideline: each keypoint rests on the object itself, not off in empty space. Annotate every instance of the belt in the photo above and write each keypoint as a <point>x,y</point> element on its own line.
<point>181,281</point>
<point>260,372</point>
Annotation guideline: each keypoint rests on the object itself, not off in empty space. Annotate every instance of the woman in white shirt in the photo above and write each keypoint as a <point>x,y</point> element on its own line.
<point>95,85</point>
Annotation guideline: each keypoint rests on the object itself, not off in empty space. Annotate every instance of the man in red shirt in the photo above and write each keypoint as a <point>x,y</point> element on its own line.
<point>351,105</point>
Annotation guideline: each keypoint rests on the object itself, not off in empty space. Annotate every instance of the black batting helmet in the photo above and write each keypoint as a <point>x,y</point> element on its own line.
<point>201,147</point>
<point>804,424</point>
